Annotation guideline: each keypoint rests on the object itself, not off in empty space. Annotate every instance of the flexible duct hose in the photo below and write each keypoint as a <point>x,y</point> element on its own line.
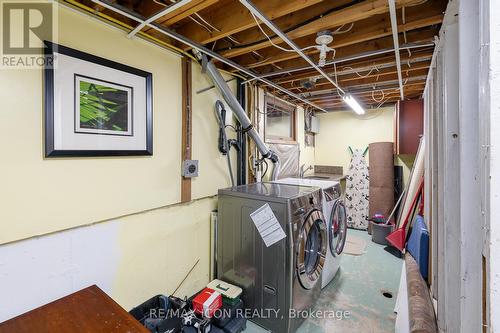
<point>240,114</point>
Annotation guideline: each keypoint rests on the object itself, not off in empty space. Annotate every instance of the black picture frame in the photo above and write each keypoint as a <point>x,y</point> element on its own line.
<point>50,150</point>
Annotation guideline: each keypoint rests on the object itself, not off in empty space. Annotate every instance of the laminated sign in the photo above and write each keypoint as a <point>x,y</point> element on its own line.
<point>267,225</point>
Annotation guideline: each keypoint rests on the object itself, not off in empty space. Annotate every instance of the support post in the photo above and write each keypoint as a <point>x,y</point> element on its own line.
<point>186,125</point>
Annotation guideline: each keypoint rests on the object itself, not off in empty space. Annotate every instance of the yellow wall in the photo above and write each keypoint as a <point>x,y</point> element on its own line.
<point>159,239</point>
<point>339,130</point>
<point>64,193</point>
<point>159,248</point>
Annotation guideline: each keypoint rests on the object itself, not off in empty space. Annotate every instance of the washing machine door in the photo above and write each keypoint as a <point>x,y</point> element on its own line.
<point>311,249</point>
<point>337,228</point>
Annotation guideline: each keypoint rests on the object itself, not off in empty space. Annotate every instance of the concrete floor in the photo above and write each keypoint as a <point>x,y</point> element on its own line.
<point>357,291</point>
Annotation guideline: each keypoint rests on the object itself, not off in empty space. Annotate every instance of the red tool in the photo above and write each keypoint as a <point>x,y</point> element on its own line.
<point>397,238</point>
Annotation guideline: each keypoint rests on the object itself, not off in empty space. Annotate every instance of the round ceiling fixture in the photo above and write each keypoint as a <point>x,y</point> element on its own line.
<point>324,37</point>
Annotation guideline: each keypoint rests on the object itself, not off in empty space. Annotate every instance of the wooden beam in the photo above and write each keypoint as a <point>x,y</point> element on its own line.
<point>358,65</point>
<point>370,32</point>
<point>392,84</point>
<point>425,35</point>
<point>234,17</point>
<point>186,141</point>
<point>287,22</point>
<point>381,74</point>
<point>366,100</point>
<point>338,18</point>
<point>376,93</point>
<point>183,12</point>
<point>367,81</point>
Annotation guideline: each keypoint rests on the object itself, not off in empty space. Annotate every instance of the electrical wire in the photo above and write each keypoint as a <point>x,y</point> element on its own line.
<point>204,23</point>
<point>269,38</point>
<point>380,99</point>
<point>339,32</point>
<point>224,147</point>
<point>336,32</point>
<point>374,68</point>
<point>267,167</point>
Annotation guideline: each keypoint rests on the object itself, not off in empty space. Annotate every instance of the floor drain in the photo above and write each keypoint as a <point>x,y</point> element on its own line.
<point>386,294</point>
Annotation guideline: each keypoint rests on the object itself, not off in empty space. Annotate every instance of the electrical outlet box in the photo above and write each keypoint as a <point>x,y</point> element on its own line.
<point>190,168</point>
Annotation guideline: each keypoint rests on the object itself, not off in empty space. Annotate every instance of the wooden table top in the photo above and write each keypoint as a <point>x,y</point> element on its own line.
<point>87,310</point>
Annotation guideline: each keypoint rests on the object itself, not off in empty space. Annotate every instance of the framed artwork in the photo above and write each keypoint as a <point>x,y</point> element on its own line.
<point>95,106</point>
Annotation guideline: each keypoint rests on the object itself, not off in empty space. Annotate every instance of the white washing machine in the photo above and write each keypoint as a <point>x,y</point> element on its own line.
<point>335,215</point>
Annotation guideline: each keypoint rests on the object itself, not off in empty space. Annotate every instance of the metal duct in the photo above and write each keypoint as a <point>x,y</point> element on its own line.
<point>240,114</point>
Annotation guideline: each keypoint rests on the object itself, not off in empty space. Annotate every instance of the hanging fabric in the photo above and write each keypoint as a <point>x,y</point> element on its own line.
<point>357,189</point>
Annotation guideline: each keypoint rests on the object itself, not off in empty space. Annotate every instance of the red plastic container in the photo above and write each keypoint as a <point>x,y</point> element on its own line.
<point>207,302</point>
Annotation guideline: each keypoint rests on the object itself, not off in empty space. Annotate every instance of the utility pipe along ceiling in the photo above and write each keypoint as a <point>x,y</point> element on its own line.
<point>324,54</point>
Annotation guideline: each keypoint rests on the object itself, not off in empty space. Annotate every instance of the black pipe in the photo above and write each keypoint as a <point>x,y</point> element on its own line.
<point>241,160</point>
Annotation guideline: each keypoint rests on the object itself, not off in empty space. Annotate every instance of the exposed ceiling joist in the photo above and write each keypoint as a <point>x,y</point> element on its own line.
<point>362,47</point>
<point>349,68</point>
<point>426,35</point>
<point>364,57</point>
<point>201,48</point>
<point>234,18</point>
<point>170,9</point>
<point>288,22</point>
<point>371,32</point>
<point>375,76</point>
<point>355,88</point>
<point>377,94</point>
<point>256,12</point>
<point>338,18</point>
<point>354,82</point>
<point>194,7</point>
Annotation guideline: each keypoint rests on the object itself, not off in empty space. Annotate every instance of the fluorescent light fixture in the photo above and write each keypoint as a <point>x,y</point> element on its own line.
<point>353,103</point>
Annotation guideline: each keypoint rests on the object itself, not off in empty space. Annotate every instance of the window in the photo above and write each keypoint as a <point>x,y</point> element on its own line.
<point>280,121</point>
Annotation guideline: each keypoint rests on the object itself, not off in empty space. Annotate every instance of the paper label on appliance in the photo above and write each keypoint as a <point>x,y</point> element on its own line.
<point>267,225</point>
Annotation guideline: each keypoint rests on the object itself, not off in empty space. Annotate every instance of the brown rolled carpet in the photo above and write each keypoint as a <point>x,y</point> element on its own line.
<point>381,159</point>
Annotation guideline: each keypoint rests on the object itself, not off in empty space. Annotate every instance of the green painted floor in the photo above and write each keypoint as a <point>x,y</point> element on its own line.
<point>357,291</point>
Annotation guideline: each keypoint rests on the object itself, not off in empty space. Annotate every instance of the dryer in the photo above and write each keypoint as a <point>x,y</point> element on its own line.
<point>282,280</point>
<point>334,212</point>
